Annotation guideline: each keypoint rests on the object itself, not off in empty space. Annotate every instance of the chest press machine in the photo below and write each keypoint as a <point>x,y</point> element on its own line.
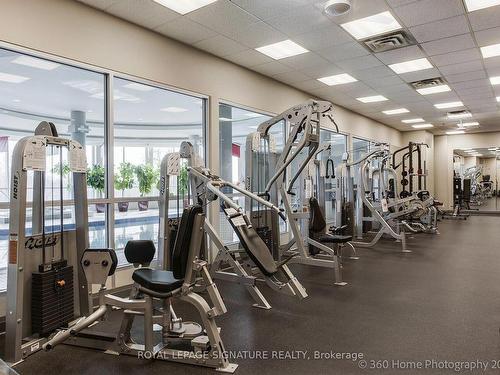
<point>271,177</point>
<point>94,266</point>
<point>247,266</point>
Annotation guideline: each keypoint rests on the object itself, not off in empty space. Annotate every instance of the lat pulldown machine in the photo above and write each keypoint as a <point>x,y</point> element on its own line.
<point>271,177</point>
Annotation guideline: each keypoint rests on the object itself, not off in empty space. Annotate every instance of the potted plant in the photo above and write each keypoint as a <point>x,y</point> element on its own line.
<point>147,177</point>
<point>96,180</point>
<point>124,179</point>
<point>63,170</point>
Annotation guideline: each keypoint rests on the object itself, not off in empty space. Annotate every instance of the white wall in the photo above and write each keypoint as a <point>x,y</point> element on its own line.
<point>443,158</point>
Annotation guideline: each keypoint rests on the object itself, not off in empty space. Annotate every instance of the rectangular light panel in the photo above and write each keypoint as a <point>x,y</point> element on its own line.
<point>491,51</point>
<point>413,120</point>
<point>473,5</point>
<point>373,25</point>
<point>372,99</point>
<point>338,79</point>
<point>396,111</point>
<point>184,6</point>
<point>411,66</point>
<point>12,78</point>
<point>35,63</point>
<point>449,105</point>
<point>453,132</point>
<point>422,126</point>
<point>433,89</point>
<point>473,123</point>
<point>495,80</point>
<point>280,50</point>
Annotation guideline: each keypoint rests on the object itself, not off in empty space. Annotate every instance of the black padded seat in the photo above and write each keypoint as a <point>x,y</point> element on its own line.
<point>331,238</point>
<point>156,280</point>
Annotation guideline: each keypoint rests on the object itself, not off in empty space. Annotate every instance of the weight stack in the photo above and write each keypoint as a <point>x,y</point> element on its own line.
<point>51,300</point>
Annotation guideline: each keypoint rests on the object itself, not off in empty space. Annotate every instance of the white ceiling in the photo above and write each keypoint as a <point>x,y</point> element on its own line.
<point>447,34</point>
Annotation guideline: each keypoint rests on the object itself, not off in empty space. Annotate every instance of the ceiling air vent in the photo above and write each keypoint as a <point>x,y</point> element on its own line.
<point>438,81</point>
<point>387,42</point>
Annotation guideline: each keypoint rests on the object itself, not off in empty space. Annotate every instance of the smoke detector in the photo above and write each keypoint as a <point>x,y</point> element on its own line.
<point>337,7</point>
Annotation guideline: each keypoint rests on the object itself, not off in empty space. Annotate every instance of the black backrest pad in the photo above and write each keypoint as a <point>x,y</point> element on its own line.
<point>256,248</point>
<point>180,255</point>
<point>317,223</point>
<point>140,251</point>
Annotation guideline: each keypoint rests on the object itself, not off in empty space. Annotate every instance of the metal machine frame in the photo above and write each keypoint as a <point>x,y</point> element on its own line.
<point>230,265</point>
<point>304,120</point>
<point>24,250</point>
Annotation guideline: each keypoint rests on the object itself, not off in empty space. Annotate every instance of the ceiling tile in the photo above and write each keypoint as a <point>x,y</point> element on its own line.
<point>376,82</point>
<point>485,18</point>
<point>343,51</point>
<point>220,45</point>
<point>301,20</point>
<point>397,3</point>
<point>272,68</point>
<point>323,70</point>
<point>223,17</point>
<point>319,39</point>
<point>452,44</point>
<point>425,11</point>
<point>421,74</point>
<point>147,14</point>
<point>359,9</point>
<point>358,63</point>
<point>376,72</point>
<point>257,35</point>
<point>400,55</point>
<point>469,76</point>
<point>266,9</point>
<point>487,37</point>
<point>185,30</point>
<point>469,66</point>
<point>305,60</point>
<point>471,84</point>
<point>440,29</point>
<point>311,84</point>
<point>249,58</point>
<point>400,88</point>
<point>456,57</point>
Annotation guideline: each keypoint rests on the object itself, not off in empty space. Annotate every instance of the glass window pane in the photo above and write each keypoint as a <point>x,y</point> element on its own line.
<point>149,122</point>
<point>73,99</point>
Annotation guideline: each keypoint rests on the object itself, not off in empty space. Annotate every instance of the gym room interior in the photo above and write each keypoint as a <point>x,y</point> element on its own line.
<point>249,186</point>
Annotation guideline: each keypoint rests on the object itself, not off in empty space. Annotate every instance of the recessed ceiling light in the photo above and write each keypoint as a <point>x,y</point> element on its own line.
<point>449,105</point>
<point>12,78</point>
<point>16,100</point>
<point>491,50</point>
<point>373,25</point>
<point>452,132</point>
<point>396,111</point>
<point>492,149</point>
<point>411,66</point>
<point>138,87</point>
<point>280,50</point>
<point>422,126</point>
<point>35,63</point>
<point>184,6</point>
<point>473,5</point>
<point>498,99</point>
<point>173,109</point>
<point>495,80</point>
<point>470,151</point>
<point>338,79</point>
<point>433,89</point>
<point>456,115</point>
<point>372,99</point>
<point>467,124</point>
<point>413,120</point>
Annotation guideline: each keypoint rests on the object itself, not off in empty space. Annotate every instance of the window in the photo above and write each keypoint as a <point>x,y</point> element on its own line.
<point>35,90</point>
<point>234,126</point>
<point>149,122</point>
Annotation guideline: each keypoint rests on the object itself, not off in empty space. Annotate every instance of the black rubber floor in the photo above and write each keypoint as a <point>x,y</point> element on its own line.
<point>441,302</point>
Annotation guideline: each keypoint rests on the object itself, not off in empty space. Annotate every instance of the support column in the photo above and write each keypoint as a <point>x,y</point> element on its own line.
<point>78,127</point>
